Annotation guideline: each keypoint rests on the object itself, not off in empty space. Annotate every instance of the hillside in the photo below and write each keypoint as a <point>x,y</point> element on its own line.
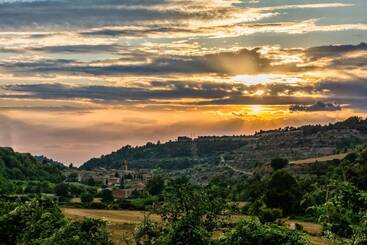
<point>23,166</point>
<point>245,152</point>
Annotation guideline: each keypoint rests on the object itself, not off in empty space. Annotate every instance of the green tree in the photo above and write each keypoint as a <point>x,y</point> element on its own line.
<point>155,185</point>
<point>85,232</point>
<point>107,196</point>
<point>40,221</point>
<point>30,222</point>
<point>189,216</point>
<point>279,163</point>
<point>86,197</point>
<point>283,192</point>
<point>344,208</point>
<point>62,190</point>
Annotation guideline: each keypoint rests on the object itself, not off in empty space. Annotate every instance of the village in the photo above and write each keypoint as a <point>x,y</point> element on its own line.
<point>122,182</point>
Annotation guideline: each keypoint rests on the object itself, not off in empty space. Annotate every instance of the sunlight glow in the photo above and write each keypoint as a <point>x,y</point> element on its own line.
<point>265,79</point>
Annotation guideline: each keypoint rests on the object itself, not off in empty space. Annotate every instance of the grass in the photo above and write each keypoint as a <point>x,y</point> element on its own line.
<point>122,223</point>
<point>77,200</point>
<point>320,159</point>
<point>113,216</point>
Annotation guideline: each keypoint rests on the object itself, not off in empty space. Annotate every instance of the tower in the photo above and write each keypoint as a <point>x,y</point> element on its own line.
<point>124,166</point>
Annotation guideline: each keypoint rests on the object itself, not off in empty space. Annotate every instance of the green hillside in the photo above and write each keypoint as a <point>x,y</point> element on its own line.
<point>23,166</point>
<point>243,151</point>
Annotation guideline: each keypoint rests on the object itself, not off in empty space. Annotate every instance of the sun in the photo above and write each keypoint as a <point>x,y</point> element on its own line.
<point>256,109</point>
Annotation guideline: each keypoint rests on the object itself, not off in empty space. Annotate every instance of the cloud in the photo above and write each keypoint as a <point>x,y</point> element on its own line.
<point>317,106</point>
<point>244,61</point>
<point>82,48</point>
<point>334,50</point>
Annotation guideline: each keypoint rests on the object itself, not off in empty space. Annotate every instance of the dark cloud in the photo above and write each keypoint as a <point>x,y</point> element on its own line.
<point>245,61</point>
<point>121,94</point>
<point>334,50</point>
<point>84,14</point>
<point>82,48</point>
<point>317,106</point>
<point>71,14</point>
<point>212,93</point>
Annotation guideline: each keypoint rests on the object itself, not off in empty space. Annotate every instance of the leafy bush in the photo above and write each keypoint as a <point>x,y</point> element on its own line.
<point>85,232</point>
<point>189,216</point>
<point>248,232</point>
<point>86,198</point>
<point>40,221</point>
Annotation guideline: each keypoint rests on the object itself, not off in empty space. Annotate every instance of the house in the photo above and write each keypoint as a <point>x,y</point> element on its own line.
<point>119,194</point>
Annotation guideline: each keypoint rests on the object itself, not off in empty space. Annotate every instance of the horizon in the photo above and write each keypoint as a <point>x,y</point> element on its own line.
<point>81,78</point>
<point>192,137</point>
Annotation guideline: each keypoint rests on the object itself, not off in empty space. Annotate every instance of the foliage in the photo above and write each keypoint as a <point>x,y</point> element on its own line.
<point>86,198</point>
<point>189,215</point>
<point>30,222</point>
<point>40,221</point>
<point>253,232</point>
<point>170,155</point>
<point>360,232</point>
<point>106,196</point>
<point>344,207</point>
<point>17,166</point>
<point>279,163</point>
<point>85,232</point>
<point>282,192</point>
<point>155,185</point>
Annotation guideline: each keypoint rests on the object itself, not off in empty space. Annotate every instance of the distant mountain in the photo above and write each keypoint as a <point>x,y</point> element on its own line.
<point>245,152</point>
<point>23,166</point>
<point>180,154</point>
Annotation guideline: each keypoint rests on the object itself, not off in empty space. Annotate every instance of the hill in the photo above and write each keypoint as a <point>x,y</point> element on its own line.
<point>244,152</point>
<point>23,166</point>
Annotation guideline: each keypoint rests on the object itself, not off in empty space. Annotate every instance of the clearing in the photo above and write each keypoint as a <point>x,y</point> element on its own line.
<point>320,159</point>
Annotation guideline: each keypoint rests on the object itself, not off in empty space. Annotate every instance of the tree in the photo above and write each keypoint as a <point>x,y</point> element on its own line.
<point>155,185</point>
<point>189,215</point>
<point>344,208</point>
<point>28,222</point>
<point>279,163</point>
<point>86,232</point>
<point>40,221</point>
<point>73,177</point>
<point>248,232</point>
<point>62,190</point>
<point>282,192</point>
<point>91,181</point>
<point>86,198</point>
<point>107,196</point>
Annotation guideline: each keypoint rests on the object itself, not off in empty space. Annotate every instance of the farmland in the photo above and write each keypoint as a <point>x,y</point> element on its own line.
<point>121,223</point>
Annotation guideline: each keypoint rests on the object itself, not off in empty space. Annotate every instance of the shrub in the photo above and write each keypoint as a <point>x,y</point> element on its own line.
<point>87,231</point>
<point>248,232</point>
<point>86,198</point>
<point>279,163</point>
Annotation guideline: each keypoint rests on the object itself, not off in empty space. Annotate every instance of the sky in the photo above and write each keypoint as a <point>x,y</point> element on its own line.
<point>81,78</point>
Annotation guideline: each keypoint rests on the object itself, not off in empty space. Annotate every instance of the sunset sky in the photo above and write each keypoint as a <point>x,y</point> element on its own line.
<point>81,78</point>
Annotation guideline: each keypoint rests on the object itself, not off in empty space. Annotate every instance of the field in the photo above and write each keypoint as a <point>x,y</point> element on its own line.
<point>121,223</point>
<point>320,159</point>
